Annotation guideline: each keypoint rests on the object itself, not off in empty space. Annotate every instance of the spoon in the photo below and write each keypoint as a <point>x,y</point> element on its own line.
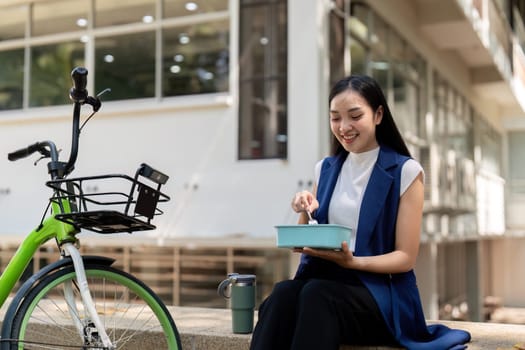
<point>311,221</point>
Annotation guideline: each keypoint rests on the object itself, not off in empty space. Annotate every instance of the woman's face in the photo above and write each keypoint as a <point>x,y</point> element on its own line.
<point>353,122</point>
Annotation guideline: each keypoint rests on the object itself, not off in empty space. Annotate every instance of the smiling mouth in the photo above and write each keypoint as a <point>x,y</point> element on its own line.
<point>349,138</point>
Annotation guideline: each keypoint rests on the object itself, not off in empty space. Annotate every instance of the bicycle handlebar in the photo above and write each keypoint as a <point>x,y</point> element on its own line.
<point>79,95</point>
<point>36,147</point>
<point>24,152</point>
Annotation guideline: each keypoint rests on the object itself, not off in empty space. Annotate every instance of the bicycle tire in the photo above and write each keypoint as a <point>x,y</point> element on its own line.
<point>128,308</point>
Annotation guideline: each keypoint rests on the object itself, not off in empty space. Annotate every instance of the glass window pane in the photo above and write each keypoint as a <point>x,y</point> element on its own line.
<point>263,40</point>
<point>126,65</point>
<point>337,47</point>
<point>358,54</point>
<point>380,72</point>
<point>263,70</point>
<point>405,107</point>
<point>396,50</point>
<point>51,67</point>
<point>178,8</point>
<point>359,20</point>
<point>516,161</point>
<point>415,65</point>
<point>12,25</point>
<point>264,134</point>
<point>460,132</point>
<point>196,59</point>
<point>490,143</point>
<point>379,36</point>
<point>12,81</point>
<point>59,16</point>
<point>112,13</point>
<point>440,90</point>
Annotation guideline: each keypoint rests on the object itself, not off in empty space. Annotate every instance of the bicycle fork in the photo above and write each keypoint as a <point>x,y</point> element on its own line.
<point>85,331</point>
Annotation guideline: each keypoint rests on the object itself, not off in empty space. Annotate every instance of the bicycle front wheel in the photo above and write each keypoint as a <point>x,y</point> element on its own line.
<point>133,315</point>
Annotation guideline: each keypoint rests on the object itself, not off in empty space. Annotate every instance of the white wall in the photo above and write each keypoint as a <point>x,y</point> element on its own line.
<point>212,193</point>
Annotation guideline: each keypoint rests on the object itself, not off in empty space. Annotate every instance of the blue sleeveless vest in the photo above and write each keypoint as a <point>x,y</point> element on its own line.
<point>396,295</point>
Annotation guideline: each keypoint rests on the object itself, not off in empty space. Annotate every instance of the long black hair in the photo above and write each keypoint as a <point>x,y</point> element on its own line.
<point>387,133</point>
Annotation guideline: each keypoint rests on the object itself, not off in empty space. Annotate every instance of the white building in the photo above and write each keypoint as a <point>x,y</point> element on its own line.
<point>229,98</point>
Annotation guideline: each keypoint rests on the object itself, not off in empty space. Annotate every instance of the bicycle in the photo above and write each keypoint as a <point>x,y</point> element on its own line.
<point>82,302</point>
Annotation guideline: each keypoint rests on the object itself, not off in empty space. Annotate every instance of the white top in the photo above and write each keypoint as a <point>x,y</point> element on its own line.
<point>349,189</point>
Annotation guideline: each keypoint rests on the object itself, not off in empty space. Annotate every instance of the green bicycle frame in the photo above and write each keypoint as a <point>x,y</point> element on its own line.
<point>50,228</point>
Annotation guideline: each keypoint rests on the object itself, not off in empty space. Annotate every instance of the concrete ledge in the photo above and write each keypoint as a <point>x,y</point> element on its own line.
<point>210,329</point>
<point>204,329</point>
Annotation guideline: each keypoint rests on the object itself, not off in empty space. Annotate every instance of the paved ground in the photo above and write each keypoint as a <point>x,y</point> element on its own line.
<point>210,329</point>
<point>200,325</point>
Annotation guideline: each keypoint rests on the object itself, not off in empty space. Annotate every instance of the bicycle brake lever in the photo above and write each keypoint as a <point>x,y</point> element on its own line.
<point>44,154</point>
<point>39,159</point>
<point>103,92</point>
<point>94,102</point>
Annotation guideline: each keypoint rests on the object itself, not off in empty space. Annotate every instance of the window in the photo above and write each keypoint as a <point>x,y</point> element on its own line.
<point>339,63</point>
<point>407,87</point>
<point>12,81</point>
<point>59,17</point>
<point>120,66</point>
<point>452,126</point>
<point>114,13</point>
<point>406,107</point>
<point>357,35</point>
<point>196,59</point>
<point>138,48</point>
<point>439,135</point>
<point>490,144</point>
<point>263,73</point>
<point>451,134</point>
<point>516,162</point>
<point>378,50</point>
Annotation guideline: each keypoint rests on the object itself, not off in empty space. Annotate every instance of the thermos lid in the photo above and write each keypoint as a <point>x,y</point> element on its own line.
<point>242,279</point>
<point>234,279</point>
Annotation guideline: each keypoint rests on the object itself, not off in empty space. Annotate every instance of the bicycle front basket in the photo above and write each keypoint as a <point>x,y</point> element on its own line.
<point>111,203</point>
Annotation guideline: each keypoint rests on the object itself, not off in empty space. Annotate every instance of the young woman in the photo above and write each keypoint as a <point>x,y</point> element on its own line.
<point>366,293</point>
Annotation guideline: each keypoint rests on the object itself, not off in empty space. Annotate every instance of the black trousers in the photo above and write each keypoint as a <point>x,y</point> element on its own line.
<point>319,314</point>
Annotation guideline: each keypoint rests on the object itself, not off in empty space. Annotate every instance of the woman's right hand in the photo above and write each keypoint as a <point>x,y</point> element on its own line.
<point>304,201</point>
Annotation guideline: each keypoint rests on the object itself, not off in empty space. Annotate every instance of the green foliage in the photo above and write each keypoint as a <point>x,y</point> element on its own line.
<point>51,68</point>
<point>12,79</point>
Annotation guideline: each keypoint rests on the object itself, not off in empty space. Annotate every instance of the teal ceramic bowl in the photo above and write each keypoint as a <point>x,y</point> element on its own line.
<point>324,236</point>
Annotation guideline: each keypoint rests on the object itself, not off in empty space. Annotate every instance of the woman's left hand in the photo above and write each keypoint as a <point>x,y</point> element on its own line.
<point>343,257</point>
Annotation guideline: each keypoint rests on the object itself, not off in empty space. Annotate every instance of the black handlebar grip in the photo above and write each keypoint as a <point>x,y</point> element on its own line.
<point>24,152</point>
<point>78,92</point>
